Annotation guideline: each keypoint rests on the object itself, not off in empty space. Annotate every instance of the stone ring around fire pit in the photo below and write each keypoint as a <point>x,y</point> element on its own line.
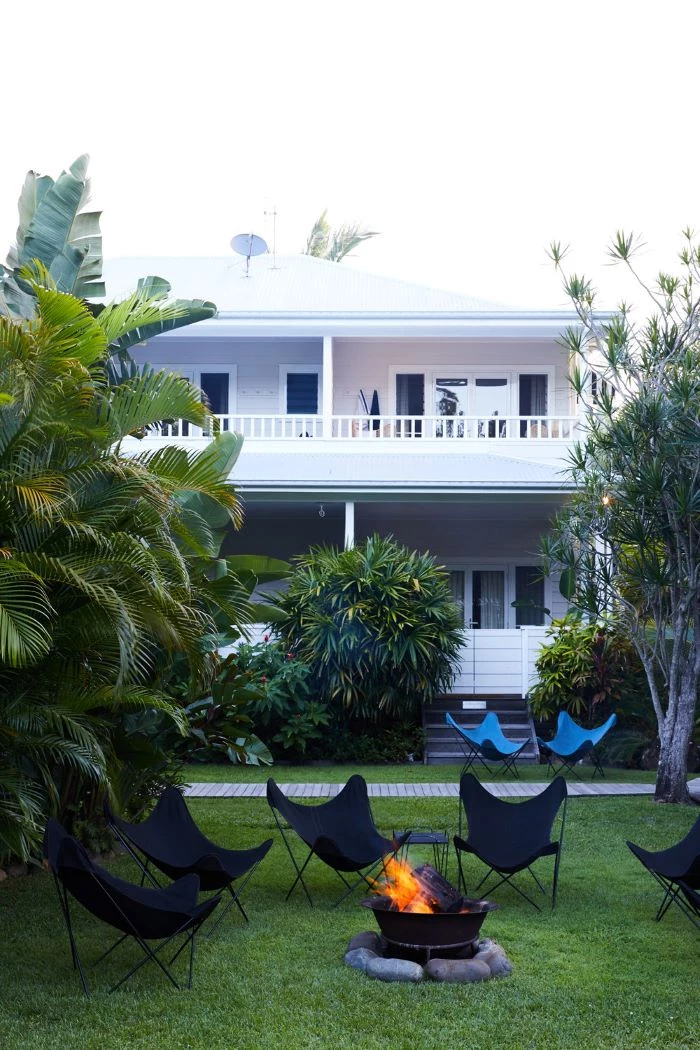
<point>427,929</point>
<point>373,955</point>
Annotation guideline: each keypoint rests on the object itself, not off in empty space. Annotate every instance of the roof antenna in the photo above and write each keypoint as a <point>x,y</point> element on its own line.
<point>273,213</point>
<point>248,244</point>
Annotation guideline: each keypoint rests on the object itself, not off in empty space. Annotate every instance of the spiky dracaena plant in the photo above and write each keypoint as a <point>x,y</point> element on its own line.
<point>376,624</point>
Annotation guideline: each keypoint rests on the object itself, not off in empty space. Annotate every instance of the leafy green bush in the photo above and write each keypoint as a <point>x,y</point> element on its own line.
<point>376,625</point>
<point>401,742</point>
<point>587,671</point>
<point>283,708</point>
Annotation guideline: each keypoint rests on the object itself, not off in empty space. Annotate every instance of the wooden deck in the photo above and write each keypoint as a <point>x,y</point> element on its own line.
<point>511,789</point>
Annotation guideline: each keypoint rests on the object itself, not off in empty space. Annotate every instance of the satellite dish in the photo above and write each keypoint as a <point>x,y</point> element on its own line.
<point>248,244</point>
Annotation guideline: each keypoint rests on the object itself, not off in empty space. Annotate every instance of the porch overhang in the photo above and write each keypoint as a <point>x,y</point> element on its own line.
<point>398,476</point>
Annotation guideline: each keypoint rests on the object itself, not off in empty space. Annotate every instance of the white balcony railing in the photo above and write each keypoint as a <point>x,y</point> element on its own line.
<point>386,428</point>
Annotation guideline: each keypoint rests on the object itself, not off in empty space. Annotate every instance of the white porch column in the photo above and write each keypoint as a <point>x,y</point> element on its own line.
<point>349,525</point>
<point>327,386</point>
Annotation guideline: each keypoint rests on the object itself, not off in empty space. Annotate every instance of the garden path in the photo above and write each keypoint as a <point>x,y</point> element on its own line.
<point>512,789</point>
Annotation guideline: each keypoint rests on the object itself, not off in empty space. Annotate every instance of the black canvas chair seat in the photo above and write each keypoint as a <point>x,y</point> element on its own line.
<point>139,912</point>
<point>509,837</point>
<point>170,840</point>
<point>676,869</point>
<point>340,832</point>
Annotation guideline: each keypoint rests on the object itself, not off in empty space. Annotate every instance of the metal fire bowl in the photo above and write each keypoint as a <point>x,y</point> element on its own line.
<point>432,930</point>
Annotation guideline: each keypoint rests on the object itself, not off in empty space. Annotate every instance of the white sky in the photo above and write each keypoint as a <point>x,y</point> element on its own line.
<point>469,134</point>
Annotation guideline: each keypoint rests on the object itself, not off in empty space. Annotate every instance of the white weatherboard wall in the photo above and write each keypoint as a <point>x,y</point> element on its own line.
<point>497,663</point>
<point>371,364</point>
<point>256,363</point>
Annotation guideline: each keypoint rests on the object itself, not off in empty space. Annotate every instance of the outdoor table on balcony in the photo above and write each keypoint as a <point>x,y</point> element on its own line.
<point>438,840</point>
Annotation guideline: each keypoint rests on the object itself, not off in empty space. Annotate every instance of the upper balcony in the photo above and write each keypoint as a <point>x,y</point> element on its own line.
<point>539,436</point>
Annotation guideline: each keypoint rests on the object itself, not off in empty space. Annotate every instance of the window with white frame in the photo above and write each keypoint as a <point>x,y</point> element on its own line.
<point>300,390</point>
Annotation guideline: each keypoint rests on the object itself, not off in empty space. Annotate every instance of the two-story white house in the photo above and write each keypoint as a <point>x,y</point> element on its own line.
<point>462,455</point>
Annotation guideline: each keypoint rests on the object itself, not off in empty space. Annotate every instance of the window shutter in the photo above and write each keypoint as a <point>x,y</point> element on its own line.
<point>302,393</point>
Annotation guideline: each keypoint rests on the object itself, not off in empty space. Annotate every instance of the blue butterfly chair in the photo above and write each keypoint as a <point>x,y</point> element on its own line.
<point>572,742</point>
<point>487,743</point>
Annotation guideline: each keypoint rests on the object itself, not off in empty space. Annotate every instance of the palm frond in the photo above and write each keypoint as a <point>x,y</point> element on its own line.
<point>25,610</point>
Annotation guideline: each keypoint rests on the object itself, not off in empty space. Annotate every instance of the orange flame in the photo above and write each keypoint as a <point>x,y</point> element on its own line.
<point>400,885</point>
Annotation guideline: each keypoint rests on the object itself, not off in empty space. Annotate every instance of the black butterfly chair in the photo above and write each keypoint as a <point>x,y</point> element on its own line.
<point>340,832</point>
<point>170,840</point>
<point>139,912</point>
<point>677,869</point>
<point>509,837</point>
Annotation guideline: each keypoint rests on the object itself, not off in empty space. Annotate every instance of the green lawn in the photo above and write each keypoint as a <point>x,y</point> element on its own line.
<point>409,773</point>
<point>597,973</point>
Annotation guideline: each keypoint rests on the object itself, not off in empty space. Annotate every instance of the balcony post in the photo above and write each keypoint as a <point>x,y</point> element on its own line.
<point>349,525</point>
<point>327,386</point>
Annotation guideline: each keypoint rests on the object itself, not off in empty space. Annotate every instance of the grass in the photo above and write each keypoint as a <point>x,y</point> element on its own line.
<point>393,774</point>
<point>596,973</point>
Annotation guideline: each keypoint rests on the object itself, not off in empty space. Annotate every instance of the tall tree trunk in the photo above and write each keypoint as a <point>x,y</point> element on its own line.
<point>675,734</point>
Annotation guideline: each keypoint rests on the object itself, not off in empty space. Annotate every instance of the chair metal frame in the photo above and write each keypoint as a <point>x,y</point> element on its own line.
<point>586,749</point>
<point>474,751</point>
<point>506,877</point>
<point>364,876</point>
<point>677,890</point>
<point>190,927</point>
<point>144,863</point>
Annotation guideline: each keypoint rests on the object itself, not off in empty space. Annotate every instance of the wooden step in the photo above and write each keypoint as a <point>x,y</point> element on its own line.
<point>442,745</point>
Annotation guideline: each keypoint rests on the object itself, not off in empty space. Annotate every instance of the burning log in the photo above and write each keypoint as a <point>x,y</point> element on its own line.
<point>420,890</point>
<point>436,890</point>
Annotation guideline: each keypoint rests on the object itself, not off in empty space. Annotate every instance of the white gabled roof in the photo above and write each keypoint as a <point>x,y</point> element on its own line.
<point>294,284</point>
<point>300,295</point>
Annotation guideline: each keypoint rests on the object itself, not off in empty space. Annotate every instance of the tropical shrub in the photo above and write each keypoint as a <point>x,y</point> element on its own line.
<point>284,710</point>
<point>587,670</point>
<point>399,742</point>
<point>94,587</point>
<point>375,624</point>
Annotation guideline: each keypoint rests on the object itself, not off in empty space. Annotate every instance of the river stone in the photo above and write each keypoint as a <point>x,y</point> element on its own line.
<point>457,971</point>
<point>394,970</point>
<point>497,961</point>
<point>359,958</point>
<point>3,874</point>
<point>367,939</point>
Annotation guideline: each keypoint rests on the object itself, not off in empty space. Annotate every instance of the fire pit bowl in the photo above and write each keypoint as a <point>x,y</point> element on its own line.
<point>430,930</point>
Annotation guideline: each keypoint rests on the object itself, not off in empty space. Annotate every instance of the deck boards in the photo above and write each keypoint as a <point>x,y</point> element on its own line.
<point>509,789</point>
